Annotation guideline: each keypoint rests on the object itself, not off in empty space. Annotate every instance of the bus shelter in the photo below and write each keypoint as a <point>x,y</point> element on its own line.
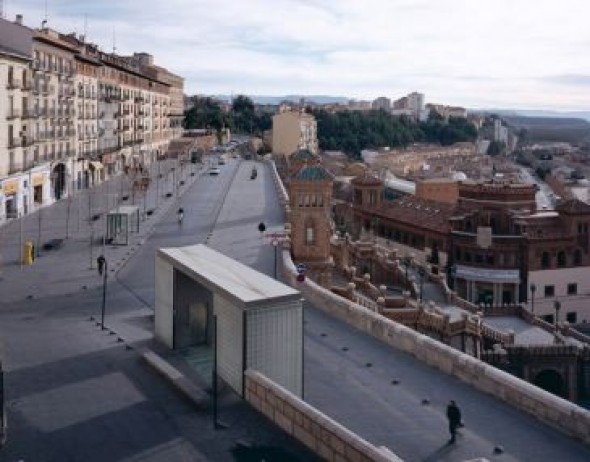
<point>121,222</point>
<point>248,319</point>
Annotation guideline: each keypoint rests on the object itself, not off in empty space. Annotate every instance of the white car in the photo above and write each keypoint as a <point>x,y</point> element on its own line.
<point>214,171</point>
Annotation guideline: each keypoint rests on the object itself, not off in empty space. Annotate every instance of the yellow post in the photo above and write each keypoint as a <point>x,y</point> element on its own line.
<point>28,257</point>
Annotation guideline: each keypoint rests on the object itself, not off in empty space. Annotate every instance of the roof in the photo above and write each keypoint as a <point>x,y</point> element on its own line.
<point>303,155</point>
<point>312,173</point>
<point>574,207</point>
<point>233,279</point>
<point>366,180</point>
<point>420,213</point>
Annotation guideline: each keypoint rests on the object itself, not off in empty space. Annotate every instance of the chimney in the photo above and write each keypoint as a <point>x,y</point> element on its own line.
<point>19,19</point>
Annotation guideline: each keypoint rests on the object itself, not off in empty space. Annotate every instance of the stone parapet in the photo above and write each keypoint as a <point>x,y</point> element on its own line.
<point>559,413</point>
<point>324,436</point>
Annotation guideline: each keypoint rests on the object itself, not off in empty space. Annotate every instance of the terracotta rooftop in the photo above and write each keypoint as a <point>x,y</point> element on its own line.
<point>574,206</point>
<point>366,180</point>
<point>419,213</point>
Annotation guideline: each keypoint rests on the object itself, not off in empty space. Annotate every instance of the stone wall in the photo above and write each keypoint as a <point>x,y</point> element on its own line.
<point>557,412</point>
<point>324,436</point>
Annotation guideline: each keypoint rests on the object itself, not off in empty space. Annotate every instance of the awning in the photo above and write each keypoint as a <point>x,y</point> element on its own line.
<point>471,273</point>
<point>96,165</point>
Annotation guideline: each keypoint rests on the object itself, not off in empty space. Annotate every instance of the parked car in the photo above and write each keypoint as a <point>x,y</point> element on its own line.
<point>254,173</point>
<point>214,171</point>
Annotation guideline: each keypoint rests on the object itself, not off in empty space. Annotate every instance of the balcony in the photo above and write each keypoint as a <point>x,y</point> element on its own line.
<point>28,84</point>
<point>31,113</point>
<point>28,141</point>
<point>14,143</point>
<point>14,84</point>
<point>13,114</point>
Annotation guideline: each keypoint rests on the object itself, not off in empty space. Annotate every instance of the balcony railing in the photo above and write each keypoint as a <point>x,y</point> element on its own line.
<point>13,114</point>
<point>14,142</point>
<point>13,84</point>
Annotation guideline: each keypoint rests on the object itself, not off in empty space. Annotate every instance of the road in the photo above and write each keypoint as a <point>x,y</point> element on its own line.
<point>365,385</point>
<point>77,393</point>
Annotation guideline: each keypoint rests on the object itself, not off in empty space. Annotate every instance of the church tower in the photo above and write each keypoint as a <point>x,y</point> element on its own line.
<point>310,195</point>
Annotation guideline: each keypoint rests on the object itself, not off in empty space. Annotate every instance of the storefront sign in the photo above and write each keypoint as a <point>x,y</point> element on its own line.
<point>10,187</point>
<point>38,179</point>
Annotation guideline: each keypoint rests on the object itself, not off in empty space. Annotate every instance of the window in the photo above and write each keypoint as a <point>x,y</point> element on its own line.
<point>572,289</point>
<point>561,260</point>
<point>548,318</point>
<point>577,257</point>
<point>467,257</point>
<point>571,317</point>
<point>545,260</point>
<point>549,291</point>
<point>309,235</point>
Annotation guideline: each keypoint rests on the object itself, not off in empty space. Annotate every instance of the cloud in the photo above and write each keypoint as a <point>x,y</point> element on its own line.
<point>455,51</point>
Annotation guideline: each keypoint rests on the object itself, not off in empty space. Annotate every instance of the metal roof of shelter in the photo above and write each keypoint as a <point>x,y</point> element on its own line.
<point>219,273</point>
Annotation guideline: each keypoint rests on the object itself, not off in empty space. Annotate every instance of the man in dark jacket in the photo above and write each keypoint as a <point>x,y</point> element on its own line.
<point>454,417</point>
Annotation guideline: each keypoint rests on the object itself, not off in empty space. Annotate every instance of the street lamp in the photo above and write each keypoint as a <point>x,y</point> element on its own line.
<point>275,244</point>
<point>557,306</point>
<point>533,290</point>
<point>421,273</point>
<point>407,262</point>
<point>102,270</point>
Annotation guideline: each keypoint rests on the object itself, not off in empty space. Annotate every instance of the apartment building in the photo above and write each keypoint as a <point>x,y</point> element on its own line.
<point>382,103</point>
<point>71,115</point>
<point>24,173</point>
<point>292,131</point>
<point>411,105</point>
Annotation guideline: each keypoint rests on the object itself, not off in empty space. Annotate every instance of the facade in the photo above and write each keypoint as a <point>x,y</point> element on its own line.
<point>71,115</point>
<point>382,103</point>
<point>447,111</point>
<point>438,190</point>
<point>412,105</point>
<point>292,131</point>
<point>310,195</point>
<point>500,132</point>
<point>497,244</point>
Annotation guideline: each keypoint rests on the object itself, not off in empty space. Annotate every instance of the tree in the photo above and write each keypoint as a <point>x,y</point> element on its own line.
<point>496,148</point>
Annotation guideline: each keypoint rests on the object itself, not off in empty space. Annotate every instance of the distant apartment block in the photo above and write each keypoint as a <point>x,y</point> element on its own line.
<point>359,105</point>
<point>500,132</point>
<point>446,111</point>
<point>382,103</point>
<point>71,115</point>
<point>411,105</point>
<point>292,131</point>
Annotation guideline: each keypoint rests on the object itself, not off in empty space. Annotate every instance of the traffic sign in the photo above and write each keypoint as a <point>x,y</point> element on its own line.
<point>301,268</point>
<point>276,235</point>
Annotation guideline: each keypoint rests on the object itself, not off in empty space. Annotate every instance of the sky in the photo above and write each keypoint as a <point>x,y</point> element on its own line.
<point>527,54</point>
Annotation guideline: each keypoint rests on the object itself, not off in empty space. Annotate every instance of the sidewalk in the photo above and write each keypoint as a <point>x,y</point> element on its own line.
<point>83,242</point>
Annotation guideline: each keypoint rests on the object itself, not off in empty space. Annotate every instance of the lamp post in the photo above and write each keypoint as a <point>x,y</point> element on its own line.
<point>421,273</point>
<point>102,270</point>
<point>275,244</point>
<point>557,306</point>
<point>533,290</point>
<point>407,261</point>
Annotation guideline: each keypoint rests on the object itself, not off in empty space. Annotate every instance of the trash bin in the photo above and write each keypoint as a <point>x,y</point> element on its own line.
<point>28,257</point>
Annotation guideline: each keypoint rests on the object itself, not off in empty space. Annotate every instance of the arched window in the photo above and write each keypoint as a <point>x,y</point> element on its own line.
<point>309,234</point>
<point>577,257</point>
<point>545,260</point>
<point>561,260</point>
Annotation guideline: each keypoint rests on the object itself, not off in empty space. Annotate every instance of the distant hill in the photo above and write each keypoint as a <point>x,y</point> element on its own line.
<point>318,99</point>
<point>572,130</point>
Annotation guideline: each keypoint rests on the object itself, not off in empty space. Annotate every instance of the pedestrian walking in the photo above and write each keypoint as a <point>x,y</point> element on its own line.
<point>454,417</point>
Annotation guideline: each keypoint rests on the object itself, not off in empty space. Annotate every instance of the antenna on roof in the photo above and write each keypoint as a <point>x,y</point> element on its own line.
<point>45,19</point>
<point>114,41</point>
<point>85,25</point>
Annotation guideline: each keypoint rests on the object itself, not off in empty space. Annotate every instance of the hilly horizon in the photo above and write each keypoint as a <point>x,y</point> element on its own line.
<point>329,99</point>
